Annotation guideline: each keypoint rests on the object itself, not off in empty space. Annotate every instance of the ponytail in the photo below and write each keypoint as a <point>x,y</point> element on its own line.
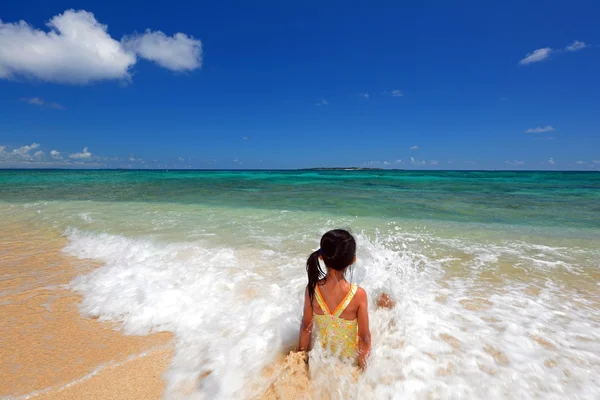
<point>338,249</point>
<point>315,273</point>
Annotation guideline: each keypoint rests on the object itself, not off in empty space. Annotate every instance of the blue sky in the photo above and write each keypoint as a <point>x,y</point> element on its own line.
<point>419,85</point>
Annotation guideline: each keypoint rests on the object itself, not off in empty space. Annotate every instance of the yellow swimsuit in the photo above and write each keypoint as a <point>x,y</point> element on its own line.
<point>338,335</point>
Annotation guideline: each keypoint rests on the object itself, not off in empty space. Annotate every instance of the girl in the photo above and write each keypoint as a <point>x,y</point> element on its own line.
<point>338,308</point>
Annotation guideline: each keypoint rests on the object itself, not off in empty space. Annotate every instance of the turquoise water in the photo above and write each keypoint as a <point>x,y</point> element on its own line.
<point>559,199</point>
<point>495,275</point>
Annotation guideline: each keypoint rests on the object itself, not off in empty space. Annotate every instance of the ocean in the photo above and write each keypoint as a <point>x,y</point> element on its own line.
<point>495,275</point>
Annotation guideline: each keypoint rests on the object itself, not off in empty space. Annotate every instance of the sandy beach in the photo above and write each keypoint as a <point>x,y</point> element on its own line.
<point>48,350</point>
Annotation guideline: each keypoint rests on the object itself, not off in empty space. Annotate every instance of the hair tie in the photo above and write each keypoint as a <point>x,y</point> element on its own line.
<point>320,251</point>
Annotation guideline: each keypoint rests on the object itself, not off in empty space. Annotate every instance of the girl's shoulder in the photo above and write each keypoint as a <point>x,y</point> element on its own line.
<point>360,296</point>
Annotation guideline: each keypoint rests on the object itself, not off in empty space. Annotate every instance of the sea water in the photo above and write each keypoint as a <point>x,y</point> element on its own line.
<point>495,275</point>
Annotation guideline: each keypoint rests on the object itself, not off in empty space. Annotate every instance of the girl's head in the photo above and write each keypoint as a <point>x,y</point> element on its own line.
<point>338,249</point>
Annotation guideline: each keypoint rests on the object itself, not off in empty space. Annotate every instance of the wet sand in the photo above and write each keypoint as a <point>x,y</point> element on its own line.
<point>48,351</point>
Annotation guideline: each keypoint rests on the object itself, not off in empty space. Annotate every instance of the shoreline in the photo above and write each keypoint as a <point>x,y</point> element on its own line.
<point>49,350</point>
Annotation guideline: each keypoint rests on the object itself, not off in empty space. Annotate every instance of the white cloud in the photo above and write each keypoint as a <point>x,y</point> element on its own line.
<point>541,129</point>
<point>387,163</point>
<point>536,56</point>
<point>23,151</point>
<point>596,161</point>
<point>516,163</point>
<point>576,46</point>
<point>34,100</point>
<point>551,161</point>
<point>545,52</point>
<point>23,155</point>
<point>179,52</point>
<point>42,103</point>
<point>55,154</point>
<point>365,95</point>
<point>398,162</point>
<point>245,137</point>
<point>133,158</point>
<point>579,162</point>
<point>414,161</point>
<point>322,102</point>
<point>434,162</point>
<point>77,49</point>
<point>414,147</point>
<point>83,155</point>
<point>397,93</point>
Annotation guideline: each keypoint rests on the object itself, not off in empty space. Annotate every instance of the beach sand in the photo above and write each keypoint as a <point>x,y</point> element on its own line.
<point>48,350</point>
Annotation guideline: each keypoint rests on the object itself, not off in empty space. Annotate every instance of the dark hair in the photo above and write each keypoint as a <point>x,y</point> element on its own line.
<point>338,249</point>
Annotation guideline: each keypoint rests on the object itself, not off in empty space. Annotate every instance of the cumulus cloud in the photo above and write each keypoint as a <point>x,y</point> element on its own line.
<point>397,93</point>
<point>31,156</point>
<point>414,161</point>
<point>23,155</point>
<point>322,102</point>
<point>77,49</point>
<point>579,162</point>
<point>364,95</point>
<point>551,161</point>
<point>83,155</point>
<point>541,129</point>
<point>23,152</point>
<point>414,147</point>
<point>177,53</point>
<point>536,56</point>
<point>576,46</point>
<point>516,163</point>
<point>36,101</point>
<point>434,162</point>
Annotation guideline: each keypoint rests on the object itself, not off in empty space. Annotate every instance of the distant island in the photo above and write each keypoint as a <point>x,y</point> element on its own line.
<point>342,169</point>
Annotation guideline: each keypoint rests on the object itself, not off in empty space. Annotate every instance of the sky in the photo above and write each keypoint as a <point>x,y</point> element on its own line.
<point>276,85</point>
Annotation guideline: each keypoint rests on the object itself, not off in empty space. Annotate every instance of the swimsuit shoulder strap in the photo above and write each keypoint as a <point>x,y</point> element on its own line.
<point>321,302</point>
<point>340,309</point>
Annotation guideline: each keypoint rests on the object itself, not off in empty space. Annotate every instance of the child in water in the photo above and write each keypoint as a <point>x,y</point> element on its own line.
<point>337,307</point>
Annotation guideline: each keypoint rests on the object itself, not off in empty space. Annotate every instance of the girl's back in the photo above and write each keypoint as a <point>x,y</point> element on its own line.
<point>336,322</point>
<point>333,294</point>
<point>337,308</point>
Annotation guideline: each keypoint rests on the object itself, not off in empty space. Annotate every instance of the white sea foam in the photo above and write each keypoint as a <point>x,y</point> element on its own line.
<point>233,309</point>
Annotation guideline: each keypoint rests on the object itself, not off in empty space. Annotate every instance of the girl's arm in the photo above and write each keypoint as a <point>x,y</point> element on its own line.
<point>364,333</point>
<point>307,324</point>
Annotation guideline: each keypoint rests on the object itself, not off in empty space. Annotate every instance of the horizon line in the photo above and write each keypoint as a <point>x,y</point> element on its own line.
<point>326,169</point>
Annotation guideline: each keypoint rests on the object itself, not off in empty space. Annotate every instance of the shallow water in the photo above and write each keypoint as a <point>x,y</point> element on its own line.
<point>495,275</point>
